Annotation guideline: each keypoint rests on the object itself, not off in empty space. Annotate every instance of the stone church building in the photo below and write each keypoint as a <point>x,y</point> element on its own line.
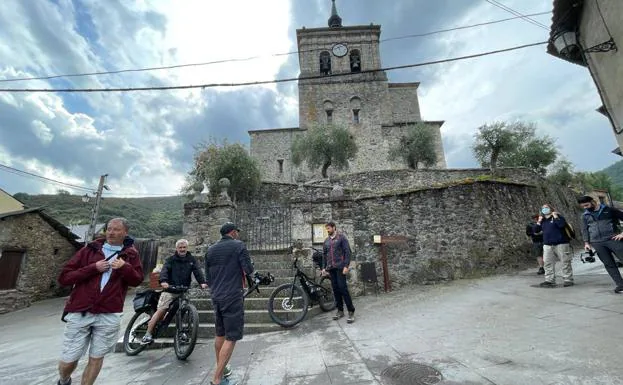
<point>341,82</point>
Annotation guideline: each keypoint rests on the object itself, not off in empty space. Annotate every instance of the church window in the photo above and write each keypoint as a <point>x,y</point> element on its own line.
<point>328,109</point>
<point>280,162</point>
<point>356,116</point>
<point>355,61</point>
<point>355,105</point>
<point>325,63</point>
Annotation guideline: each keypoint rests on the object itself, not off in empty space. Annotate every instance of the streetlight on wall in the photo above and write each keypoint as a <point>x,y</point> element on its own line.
<point>567,44</point>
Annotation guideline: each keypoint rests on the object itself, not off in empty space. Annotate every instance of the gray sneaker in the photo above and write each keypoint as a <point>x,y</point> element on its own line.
<point>227,372</point>
<point>147,339</point>
<point>351,317</point>
<point>338,315</point>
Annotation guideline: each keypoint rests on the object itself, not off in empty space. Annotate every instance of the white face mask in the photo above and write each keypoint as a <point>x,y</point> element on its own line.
<point>546,211</point>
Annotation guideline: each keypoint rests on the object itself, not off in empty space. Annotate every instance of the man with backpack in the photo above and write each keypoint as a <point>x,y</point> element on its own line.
<point>600,230</point>
<point>537,243</point>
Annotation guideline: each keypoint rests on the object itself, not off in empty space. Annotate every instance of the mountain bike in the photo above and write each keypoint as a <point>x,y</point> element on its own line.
<point>288,304</point>
<point>186,322</point>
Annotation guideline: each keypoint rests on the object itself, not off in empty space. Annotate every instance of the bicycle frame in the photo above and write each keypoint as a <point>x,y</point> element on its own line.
<point>306,283</point>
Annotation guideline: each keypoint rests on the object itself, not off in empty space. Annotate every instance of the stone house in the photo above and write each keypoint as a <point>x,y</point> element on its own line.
<point>587,33</point>
<point>342,83</point>
<point>33,248</point>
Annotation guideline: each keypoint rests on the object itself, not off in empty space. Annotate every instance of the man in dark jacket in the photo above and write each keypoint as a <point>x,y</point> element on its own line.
<point>226,263</point>
<point>100,274</point>
<point>555,246</point>
<point>600,230</point>
<point>537,243</point>
<point>336,251</point>
<point>176,271</point>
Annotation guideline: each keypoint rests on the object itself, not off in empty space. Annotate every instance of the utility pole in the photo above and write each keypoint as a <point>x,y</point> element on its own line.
<point>96,208</point>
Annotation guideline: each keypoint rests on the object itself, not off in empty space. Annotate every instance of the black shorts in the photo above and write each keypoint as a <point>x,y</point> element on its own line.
<point>537,250</point>
<point>229,318</point>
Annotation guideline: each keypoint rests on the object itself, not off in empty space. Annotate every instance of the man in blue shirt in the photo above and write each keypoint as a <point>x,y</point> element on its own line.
<point>226,263</point>
<point>555,246</point>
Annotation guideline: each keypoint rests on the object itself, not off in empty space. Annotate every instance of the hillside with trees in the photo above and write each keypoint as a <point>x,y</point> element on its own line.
<point>615,172</point>
<point>149,217</point>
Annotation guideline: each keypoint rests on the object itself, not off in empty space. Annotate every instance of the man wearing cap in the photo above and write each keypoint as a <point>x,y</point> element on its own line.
<point>600,230</point>
<point>226,263</point>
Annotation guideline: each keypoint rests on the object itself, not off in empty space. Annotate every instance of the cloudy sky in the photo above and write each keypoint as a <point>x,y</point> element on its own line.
<point>145,140</point>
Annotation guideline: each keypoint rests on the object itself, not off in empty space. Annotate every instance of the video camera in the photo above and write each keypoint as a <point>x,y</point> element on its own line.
<point>590,258</point>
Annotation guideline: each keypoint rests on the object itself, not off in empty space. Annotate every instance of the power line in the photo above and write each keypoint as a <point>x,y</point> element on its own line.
<point>23,173</point>
<point>146,69</point>
<point>261,82</point>
<point>518,14</point>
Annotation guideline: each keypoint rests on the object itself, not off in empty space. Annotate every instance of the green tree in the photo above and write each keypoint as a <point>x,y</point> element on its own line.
<point>215,161</point>
<point>326,146</point>
<point>514,145</point>
<point>417,147</point>
<point>561,173</point>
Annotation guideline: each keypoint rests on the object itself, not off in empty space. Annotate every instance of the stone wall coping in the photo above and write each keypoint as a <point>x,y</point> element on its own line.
<point>376,28</point>
<point>404,85</point>
<point>259,130</point>
<point>367,194</point>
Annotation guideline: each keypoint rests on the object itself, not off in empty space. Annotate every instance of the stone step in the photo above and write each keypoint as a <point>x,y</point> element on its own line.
<point>250,303</point>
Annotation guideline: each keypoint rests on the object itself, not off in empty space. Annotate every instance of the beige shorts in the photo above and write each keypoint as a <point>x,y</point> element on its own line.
<point>166,299</point>
<point>98,332</point>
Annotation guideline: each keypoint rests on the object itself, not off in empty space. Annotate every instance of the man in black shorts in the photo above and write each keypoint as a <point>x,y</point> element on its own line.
<point>226,263</point>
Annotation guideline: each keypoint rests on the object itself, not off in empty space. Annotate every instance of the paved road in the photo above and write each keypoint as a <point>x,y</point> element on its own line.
<point>497,330</point>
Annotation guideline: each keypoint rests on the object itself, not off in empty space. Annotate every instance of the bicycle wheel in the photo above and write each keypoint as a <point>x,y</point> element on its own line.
<point>287,305</point>
<point>135,331</point>
<point>326,299</point>
<point>187,326</point>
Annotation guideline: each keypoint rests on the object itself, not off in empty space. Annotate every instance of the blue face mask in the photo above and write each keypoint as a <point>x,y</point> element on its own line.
<point>546,211</point>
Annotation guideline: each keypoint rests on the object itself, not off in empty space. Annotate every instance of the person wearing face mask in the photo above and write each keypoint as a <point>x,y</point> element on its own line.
<point>600,230</point>
<point>555,246</point>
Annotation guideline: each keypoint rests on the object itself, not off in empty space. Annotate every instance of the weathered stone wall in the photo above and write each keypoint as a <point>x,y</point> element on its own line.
<point>606,68</point>
<point>392,180</point>
<point>462,230</point>
<point>272,147</point>
<point>45,253</point>
<point>202,224</point>
<point>404,102</point>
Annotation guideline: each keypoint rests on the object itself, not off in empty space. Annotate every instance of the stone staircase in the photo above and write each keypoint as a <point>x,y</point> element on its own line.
<point>256,317</point>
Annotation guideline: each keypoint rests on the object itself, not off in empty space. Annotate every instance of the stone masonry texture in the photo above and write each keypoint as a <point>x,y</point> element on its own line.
<point>457,223</point>
<point>385,110</point>
<point>45,252</point>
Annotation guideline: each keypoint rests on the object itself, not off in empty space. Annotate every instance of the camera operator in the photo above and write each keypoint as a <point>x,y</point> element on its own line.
<point>600,230</point>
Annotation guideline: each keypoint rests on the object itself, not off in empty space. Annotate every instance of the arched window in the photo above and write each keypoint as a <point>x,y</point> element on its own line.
<point>328,109</point>
<point>355,61</point>
<point>325,63</point>
<point>355,106</point>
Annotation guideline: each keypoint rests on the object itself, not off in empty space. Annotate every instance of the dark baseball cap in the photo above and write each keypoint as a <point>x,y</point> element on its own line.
<point>228,227</point>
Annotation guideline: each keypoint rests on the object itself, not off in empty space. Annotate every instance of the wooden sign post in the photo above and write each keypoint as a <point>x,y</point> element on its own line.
<point>384,240</point>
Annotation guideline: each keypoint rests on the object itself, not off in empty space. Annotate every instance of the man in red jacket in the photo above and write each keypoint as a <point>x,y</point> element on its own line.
<point>100,274</point>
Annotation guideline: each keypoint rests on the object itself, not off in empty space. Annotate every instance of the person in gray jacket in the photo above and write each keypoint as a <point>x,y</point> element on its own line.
<point>600,230</point>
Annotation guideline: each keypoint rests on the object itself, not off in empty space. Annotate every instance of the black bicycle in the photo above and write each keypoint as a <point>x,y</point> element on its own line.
<point>186,322</point>
<point>288,304</point>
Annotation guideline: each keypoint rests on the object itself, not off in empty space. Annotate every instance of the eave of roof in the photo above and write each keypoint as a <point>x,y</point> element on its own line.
<point>565,16</point>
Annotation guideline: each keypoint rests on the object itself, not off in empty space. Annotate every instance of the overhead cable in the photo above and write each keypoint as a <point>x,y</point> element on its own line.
<point>146,69</point>
<point>273,81</point>
<point>23,173</point>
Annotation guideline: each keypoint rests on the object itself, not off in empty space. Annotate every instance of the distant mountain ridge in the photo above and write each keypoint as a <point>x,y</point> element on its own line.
<point>615,172</point>
<point>149,217</point>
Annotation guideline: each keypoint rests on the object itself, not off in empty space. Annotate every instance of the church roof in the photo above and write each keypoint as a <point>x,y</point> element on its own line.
<point>335,21</point>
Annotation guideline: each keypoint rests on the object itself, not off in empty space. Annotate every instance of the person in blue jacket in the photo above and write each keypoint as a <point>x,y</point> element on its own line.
<point>555,246</point>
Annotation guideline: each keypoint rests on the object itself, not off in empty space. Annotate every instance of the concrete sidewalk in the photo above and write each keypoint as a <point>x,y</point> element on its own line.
<point>497,330</point>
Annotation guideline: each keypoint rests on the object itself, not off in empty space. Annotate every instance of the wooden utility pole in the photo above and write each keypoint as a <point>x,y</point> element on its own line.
<point>96,208</point>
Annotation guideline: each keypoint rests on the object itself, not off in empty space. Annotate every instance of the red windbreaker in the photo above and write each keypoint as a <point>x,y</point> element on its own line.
<point>80,271</point>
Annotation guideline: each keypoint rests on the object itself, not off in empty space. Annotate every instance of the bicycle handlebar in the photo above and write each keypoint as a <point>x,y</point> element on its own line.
<point>177,289</point>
